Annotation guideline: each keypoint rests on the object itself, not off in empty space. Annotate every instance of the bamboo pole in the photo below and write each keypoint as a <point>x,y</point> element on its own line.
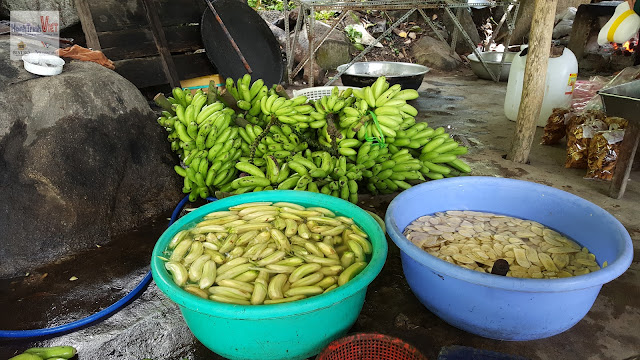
<point>534,79</point>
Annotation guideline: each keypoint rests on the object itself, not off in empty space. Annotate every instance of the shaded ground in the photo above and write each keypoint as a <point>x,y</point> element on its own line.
<point>152,326</point>
<point>73,289</point>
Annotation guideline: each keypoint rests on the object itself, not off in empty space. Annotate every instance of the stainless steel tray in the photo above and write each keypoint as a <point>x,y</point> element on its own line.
<point>622,100</point>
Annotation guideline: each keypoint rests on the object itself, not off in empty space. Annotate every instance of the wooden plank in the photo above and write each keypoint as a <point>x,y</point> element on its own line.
<point>88,27</point>
<point>144,72</point>
<point>193,65</point>
<point>178,12</point>
<point>533,83</point>
<point>168,66</point>
<point>624,162</point>
<point>581,30</point>
<point>127,44</point>
<point>113,15</point>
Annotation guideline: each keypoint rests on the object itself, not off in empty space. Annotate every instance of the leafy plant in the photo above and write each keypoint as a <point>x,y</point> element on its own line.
<point>325,14</point>
<point>269,4</point>
<point>354,36</point>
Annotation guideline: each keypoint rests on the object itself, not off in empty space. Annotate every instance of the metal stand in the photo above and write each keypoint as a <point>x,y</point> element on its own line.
<point>307,10</point>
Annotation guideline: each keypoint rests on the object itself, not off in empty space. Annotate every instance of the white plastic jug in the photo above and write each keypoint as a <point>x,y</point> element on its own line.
<point>561,76</point>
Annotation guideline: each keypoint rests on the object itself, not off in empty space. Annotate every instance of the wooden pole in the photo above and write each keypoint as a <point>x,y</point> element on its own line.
<point>159,38</point>
<point>626,154</point>
<point>88,26</point>
<point>534,79</point>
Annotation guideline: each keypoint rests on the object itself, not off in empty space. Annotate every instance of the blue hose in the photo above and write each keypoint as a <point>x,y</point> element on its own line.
<point>14,334</point>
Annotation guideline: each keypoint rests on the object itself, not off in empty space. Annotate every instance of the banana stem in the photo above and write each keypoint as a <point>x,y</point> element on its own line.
<point>281,92</point>
<point>313,143</point>
<point>240,121</point>
<point>226,98</point>
<point>162,101</point>
<point>212,93</point>
<point>265,131</point>
<point>363,120</point>
<point>332,130</point>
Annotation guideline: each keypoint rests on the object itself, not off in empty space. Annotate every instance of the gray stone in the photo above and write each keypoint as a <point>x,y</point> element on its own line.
<point>520,33</point>
<point>435,54</point>
<point>66,8</point>
<point>271,16</point>
<point>151,327</point>
<point>334,51</point>
<point>466,21</point>
<point>333,54</point>
<point>279,34</point>
<point>82,159</point>
<point>11,71</point>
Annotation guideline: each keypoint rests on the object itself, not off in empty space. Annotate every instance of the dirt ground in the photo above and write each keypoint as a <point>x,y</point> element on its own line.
<point>152,327</point>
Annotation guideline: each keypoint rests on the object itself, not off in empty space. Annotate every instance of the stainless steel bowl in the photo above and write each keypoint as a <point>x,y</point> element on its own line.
<point>493,59</point>
<point>362,74</point>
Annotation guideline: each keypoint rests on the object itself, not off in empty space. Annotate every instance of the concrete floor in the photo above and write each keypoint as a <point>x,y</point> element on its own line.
<point>151,326</point>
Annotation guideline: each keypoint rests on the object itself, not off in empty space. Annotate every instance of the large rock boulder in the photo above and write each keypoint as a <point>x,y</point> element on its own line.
<point>11,71</point>
<point>466,21</point>
<point>334,51</point>
<point>67,11</point>
<point>82,160</point>
<point>435,54</point>
<point>520,33</point>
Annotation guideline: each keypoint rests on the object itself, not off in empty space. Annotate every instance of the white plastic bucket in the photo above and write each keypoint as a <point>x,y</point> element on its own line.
<point>561,76</point>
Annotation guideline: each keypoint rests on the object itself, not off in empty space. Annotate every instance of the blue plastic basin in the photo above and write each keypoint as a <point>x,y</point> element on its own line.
<point>295,330</point>
<point>494,306</point>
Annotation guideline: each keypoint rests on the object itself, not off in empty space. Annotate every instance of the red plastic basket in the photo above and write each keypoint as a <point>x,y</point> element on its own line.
<point>370,346</point>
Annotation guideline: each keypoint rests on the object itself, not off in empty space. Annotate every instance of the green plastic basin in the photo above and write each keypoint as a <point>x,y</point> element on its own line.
<point>295,330</point>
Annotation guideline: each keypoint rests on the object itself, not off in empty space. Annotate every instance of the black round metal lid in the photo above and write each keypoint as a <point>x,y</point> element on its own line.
<point>252,36</point>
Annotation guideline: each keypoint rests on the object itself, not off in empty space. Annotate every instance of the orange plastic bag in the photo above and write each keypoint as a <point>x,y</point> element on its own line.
<point>80,53</point>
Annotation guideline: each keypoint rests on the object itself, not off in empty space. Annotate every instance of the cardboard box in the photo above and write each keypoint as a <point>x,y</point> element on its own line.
<point>202,82</point>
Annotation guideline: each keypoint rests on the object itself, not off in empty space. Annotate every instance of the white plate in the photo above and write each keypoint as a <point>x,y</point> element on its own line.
<point>42,64</point>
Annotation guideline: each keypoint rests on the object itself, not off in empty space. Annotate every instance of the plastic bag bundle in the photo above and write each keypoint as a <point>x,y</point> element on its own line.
<point>603,154</point>
<point>556,127</point>
<point>580,130</point>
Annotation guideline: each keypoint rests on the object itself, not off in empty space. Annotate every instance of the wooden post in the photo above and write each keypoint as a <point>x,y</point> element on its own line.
<point>534,79</point>
<point>624,162</point>
<point>161,43</point>
<point>88,27</point>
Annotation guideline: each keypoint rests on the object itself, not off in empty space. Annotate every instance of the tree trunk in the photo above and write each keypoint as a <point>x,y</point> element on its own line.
<point>533,83</point>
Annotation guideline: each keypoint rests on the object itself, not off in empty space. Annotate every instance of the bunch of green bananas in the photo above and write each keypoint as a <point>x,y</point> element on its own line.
<point>381,110</point>
<point>248,95</point>
<point>350,139</point>
<point>260,103</point>
<point>280,142</point>
<point>207,142</point>
<point>315,171</point>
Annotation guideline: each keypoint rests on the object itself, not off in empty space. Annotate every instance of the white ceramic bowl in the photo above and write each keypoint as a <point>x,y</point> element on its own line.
<point>42,64</point>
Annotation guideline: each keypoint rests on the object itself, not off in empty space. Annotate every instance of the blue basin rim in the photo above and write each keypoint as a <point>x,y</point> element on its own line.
<point>597,278</point>
<point>254,312</point>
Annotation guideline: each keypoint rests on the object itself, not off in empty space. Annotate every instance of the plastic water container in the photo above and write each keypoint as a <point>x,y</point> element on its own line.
<point>622,26</point>
<point>562,73</point>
